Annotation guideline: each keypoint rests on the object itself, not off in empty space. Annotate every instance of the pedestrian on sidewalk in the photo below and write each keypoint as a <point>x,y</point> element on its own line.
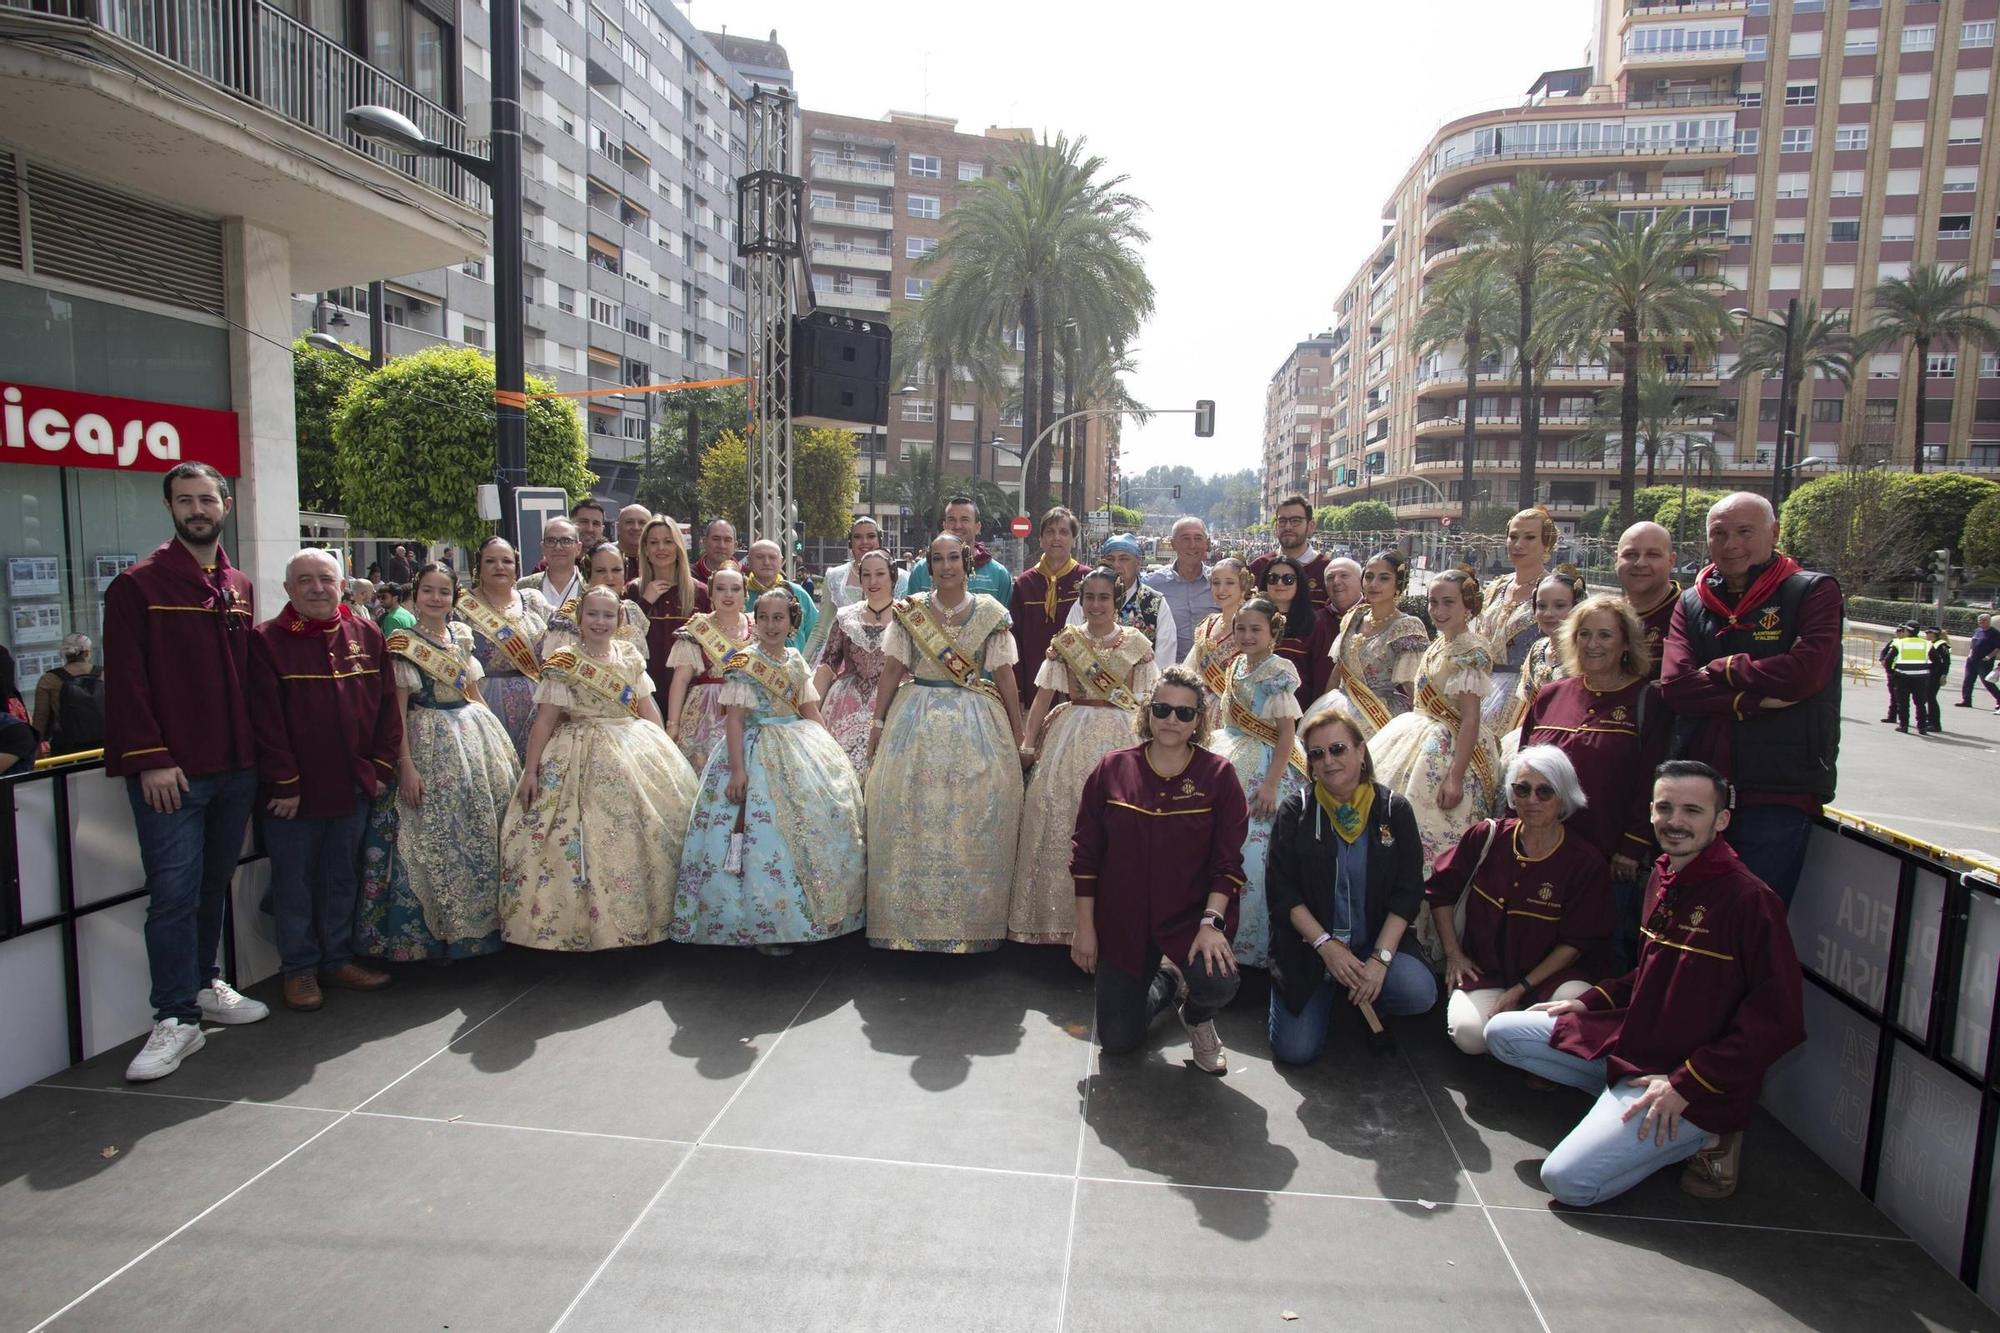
<point>1979,664</point>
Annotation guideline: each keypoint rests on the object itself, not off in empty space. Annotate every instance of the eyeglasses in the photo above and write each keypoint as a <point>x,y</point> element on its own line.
<point>1541,791</point>
<point>1285,520</point>
<point>1335,750</point>
<point>560,542</point>
<point>1286,580</point>
<point>1185,712</point>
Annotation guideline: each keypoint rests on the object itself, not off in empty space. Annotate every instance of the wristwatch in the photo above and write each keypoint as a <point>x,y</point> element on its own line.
<point>1385,956</point>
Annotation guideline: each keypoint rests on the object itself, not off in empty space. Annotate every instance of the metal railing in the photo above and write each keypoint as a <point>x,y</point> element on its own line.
<point>251,49</point>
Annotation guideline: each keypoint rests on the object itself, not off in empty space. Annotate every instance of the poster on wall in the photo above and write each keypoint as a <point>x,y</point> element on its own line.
<point>36,622</point>
<point>104,568</point>
<point>29,668</point>
<point>34,576</point>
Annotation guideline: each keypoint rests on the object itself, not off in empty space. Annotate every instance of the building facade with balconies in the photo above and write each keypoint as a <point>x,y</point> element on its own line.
<point>1820,148</point>
<point>1299,420</point>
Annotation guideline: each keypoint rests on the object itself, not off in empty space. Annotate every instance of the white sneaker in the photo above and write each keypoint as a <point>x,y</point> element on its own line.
<point>221,1003</point>
<point>1207,1054</point>
<point>172,1041</point>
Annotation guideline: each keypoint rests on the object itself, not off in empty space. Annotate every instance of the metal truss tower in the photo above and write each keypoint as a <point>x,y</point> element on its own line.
<point>771,239</point>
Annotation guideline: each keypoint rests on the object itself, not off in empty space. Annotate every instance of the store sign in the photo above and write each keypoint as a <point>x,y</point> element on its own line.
<point>65,429</point>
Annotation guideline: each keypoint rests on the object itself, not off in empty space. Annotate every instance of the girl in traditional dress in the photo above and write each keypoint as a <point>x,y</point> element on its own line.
<point>603,567</point>
<point>773,855</point>
<point>850,663</point>
<point>1309,629</point>
<point>592,840</point>
<point>506,623</point>
<point>1554,600</point>
<point>944,786</point>
<point>1214,639</point>
<point>694,700</point>
<point>1375,658</point>
<point>1260,722</point>
<point>431,859</point>
<point>1439,755</point>
<point>1506,618</point>
<point>666,594</point>
<point>1103,668</point>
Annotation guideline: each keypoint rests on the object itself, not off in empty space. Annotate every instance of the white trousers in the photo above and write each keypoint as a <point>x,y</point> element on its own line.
<point>1467,1013</point>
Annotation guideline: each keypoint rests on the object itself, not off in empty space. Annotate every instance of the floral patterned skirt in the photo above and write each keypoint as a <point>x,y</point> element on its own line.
<point>1412,756</point>
<point>848,708</point>
<point>701,724</point>
<point>511,697</point>
<point>1043,907</point>
<point>1252,760</point>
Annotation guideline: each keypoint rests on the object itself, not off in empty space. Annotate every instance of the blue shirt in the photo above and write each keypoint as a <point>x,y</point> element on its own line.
<point>1191,602</point>
<point>1985,643</point>
<point>990,578</point>
<point>1350,899</point>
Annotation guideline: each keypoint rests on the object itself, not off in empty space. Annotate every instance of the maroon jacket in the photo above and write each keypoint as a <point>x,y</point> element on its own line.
<point>1520,909</point>
<point>1312,656</point>
<point>324,702</point>
<point>1034,629</point>
<point>664,619</point>
<point>1614,740</point>
<point>176,666</point>
<point>1717,996</point>
<point>1657,622</point>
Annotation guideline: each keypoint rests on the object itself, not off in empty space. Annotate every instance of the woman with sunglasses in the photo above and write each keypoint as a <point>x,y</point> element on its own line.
<point>1214,638</point>
<point>1260,721</point>
<point>1521,908</point>
<point>1376,654</point>
<point>1157,868</point>
<point>1309,629</point>
<point>1346,879</point>
<point>1103,669</point>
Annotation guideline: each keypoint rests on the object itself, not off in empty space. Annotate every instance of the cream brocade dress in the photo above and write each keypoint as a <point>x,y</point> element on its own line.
<point>1544,664</point>
<point>1386,662</point>
<point>591,863</point>
<point>1510,633</point>
<point>944,798</point>
<point>701,707</point>
<point>1043,907</point>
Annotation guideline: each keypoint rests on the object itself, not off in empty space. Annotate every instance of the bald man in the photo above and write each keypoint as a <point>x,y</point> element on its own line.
<point>766,561</point>
<point>1343,584</point>
<point>1751,669</point>
<point>632,521</point>
<point>1646,575</point>
<point>718,550</point>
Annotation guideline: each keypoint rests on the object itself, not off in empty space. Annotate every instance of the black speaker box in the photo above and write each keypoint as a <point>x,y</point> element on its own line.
<point>840,371</point>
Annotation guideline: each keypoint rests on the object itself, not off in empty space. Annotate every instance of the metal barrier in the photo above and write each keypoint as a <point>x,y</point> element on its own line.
<point>1858,657</point>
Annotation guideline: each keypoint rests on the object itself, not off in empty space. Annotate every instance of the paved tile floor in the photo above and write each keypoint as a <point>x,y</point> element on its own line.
<point>696,1139</point>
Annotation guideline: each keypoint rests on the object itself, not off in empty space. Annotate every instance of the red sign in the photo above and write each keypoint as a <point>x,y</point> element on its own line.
<point>64,429</point>
<point>1447,520</point>
<point>1023,525</point>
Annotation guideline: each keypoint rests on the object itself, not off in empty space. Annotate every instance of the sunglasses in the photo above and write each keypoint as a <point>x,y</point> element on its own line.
<point>1185,712</point>
<point>1286,579</point>
<point>1541,791</point>
<point>1337,749</point>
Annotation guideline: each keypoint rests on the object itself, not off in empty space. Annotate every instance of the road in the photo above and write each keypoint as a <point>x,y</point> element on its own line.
<point>1938,788</point>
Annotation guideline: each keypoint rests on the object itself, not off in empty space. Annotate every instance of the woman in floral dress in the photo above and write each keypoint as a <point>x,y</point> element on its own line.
<point>694,701</point>
<point>773,855</point>
<point>1375,658</point>
<point>1214,642</point>
<point>850,661</point>
<point>1259,736</point>
<point>1096,720</point>
<point>507,622</point>
<point>1506,617</point>
<point>592,841</point>
<point>603,567</point>
<point>431,859</point>
<point>1554,600</point>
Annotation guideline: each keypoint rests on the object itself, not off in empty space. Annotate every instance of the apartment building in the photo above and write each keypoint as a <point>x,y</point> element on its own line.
<point>1300,418</point>
<point>1820,145</point>
<point>633,137</point>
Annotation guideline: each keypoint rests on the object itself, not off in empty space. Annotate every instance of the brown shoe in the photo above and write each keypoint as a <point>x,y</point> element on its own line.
<point>353,976</point>
<point>1712,1172</point>
<point>302,993</point>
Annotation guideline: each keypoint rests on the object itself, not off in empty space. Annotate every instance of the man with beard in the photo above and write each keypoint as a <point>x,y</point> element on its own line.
<point>1293,525</point>
<point>177,728</point>
<point>1646,576</point>
<point>718,550</point>
<point>961,520</point>
<point>588,515</point>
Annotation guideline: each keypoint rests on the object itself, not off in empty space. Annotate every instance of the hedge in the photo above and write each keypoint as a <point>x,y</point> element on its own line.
<point>1882,611</point>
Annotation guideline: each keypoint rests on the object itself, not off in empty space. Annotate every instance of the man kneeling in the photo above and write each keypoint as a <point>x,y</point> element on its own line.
<point>1676,1050</point>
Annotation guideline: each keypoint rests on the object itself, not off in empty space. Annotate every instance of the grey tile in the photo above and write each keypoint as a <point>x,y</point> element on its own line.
<point>1153,1258</point>
<point>397,1224</point>
<point>89,1179</point>
<point>759,1242</point>
<point>1592,1271</point>
<point>345,1052</point>
<point>652,1043</point>
<point>964,1061</point>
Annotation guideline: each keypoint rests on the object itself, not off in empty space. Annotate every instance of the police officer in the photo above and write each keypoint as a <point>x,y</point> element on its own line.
<point>1909,657</point>
<point>1940,656</point>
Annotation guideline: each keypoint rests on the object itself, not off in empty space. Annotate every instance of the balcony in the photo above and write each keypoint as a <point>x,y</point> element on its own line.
<point>1503,162</point>
<point>831,254</point>
<point>852,172</point>
<point>1721,53</point>
<point>837,299</point>
<point>832,215</point>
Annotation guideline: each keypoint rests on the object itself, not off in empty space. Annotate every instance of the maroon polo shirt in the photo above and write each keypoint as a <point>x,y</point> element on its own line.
<point>1034,628</point>
<point>664,618</point>
<point>324,704</point>
<point>1614,740</point>
<point>1521,908</point>
<point>176,666</point>
<point>1657,621</point>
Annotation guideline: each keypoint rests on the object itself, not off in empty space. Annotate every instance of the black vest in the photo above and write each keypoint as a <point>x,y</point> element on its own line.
<point>1789,750</point>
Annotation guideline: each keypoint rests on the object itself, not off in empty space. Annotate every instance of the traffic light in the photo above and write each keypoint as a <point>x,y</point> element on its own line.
<point>1177,492</point>
<point>1204,417</point>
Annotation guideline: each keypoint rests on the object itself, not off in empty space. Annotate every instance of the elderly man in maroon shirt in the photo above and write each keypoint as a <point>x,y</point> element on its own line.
<point>1679,1045</point>
<point>177,729</point>
<point>328,733</point>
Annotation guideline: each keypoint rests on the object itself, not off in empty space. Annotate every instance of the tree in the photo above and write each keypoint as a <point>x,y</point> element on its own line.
<point>1368,516</point>
<point>669,474</point>
<point>1856,525</point>
<point>1125,520</point>
<point>822,479</point>
<point>319,378</point>
<point>1979,542</point>
<point>1521,232</point>
<point>922,490</point>
<point>1667,407</point>
<point>413,441</point>
<point>1688,523</point>
<point>1939,503</point>
<point>1649,285</point>
<point>1936,305</point>
<point>1823,347</point>
<point>1330,518</point>
<point>1464,308</point>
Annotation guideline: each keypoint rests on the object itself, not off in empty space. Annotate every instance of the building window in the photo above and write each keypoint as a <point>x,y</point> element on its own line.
<point>964,411</point>
<point>973,171</point>
<point>925,206</point>
<point>1850,138</point>
<point>1861,41</point>
<point>1913,87</point>
<point>1989,366</point>
<point>1801,94</point>
<point>1941,366</point>
<point>566,300</point>
<point>1750,99</point>
<point>1788,238</point>
<point>1954,226</point>
<point>1920,37</point>
<point>1753,47</point>
<point>1796,140</point>
<point>1804,44</point>
<point>603,311</point>
<point>916,289</point>
<point>1961,180</point>
<point>1975,34</point>
<point>1844,231</point>
<point>1965,130</point>
<point>925,167</point>
<point>1829,409</point>
<point>1844,184</point>
<point>1746,143</point>
<point>916,247</point>
<point>475,334</point>
<point>919,409</point>
<point>1793,184</point>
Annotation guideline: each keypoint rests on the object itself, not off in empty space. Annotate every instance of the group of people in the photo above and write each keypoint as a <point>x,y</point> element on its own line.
<point>1175,774</point>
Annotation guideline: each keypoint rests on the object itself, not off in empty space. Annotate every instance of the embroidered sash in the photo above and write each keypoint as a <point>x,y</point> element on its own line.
<point>774,678</point>
<point>1077,653</point>
<point>1354,683</point>
<point>1440,708</point>
<point>1244,720</point>
<point>934,641</point>
<point>440,664</point>
<point>600,678</point>
<point>717,646</point>
<point>1210,663</point>
<point>503,632</point>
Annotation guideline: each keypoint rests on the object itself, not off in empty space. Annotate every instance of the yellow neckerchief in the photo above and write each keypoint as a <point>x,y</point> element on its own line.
<point>758,589</point>
<point>1350,819</point>
<point>1052,576</point>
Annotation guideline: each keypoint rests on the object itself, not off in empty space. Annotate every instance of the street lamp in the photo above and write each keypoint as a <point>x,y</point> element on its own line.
<point>502,175</point>
<point>1689,447</point>
<point>326,342</point>
<point>1787,392</point>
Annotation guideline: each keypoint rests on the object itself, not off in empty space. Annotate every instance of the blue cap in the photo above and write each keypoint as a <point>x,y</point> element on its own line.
<point>1122,543</point>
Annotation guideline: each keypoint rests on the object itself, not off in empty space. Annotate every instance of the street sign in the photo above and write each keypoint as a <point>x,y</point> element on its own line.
<point>534,506</point>
<point>1447,520</point>
<point>1100,518</point>
<point>1023,525</point>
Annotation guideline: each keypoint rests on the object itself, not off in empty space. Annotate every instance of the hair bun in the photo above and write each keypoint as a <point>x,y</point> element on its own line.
<point>1569,569</point>
<point>1465,568</point>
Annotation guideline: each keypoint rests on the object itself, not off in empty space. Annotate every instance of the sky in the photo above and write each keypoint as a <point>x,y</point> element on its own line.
<point>1266,145</point>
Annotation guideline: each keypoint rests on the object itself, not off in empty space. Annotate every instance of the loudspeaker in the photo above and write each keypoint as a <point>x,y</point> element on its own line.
<point>840,371</point>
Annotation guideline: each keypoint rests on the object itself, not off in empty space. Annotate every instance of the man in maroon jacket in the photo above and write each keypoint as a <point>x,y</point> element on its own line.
<point>328,734</point>
<point>1679,1045</point>
<point>177,729</point>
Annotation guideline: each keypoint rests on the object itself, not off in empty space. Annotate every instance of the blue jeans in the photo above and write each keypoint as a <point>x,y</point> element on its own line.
<point>1603,1156</point>
<point>189,857</point>
<point>315,882</point>
<point>1771,840</point>
<point>1298,1039</point>
<point>1628,900</point>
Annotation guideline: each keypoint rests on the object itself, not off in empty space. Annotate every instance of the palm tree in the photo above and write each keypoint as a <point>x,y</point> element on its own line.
<point>1521,231</point>
<point>1644,284</point>
<point>1934,306</point>
<point>941,338</point>
<point>1667,408</point>
<point>1464,308</point>
<point>1823,347</point>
